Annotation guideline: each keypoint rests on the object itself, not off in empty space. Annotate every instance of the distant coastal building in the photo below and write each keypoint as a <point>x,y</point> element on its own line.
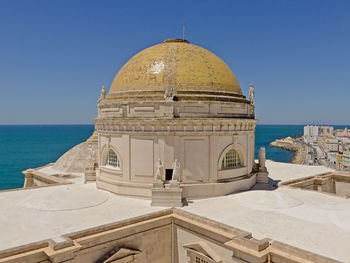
<point>333,143</point>
<point>343,156</point>
<point>328,144</point>
<point>342,133</point>
<point>330,147</point>
<point>346,159</point>
<point>286,140</point>
<point>311,132</point>
<point>326,130</point>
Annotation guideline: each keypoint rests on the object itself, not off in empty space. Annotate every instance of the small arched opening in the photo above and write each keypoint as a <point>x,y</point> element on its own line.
<point>112,159</point>
<point>231,160</point>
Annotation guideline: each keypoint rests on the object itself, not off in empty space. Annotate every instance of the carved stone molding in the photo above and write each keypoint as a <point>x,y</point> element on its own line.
<point>201,252</point>
<point>119,255</point>
<point>174,126</point>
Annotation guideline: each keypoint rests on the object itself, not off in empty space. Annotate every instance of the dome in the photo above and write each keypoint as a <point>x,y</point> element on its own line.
<point>77,158</point>
<point>178,64</point>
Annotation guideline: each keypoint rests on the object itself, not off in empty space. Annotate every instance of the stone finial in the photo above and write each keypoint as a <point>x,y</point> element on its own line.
<point>169,93</point>
<point>103,93</point>
<point>262,157</point>
<point>262,175</point>
<point>251,94</point>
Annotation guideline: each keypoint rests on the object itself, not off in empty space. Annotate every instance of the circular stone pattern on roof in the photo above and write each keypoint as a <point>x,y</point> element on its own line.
<point>62,198</point>
<point>271,200</point>
<point>175,63</point>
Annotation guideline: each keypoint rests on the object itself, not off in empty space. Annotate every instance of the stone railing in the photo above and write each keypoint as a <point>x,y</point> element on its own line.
<point>35,178</point>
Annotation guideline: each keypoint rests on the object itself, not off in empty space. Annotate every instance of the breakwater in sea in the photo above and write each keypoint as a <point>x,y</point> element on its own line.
<point>299,149</point>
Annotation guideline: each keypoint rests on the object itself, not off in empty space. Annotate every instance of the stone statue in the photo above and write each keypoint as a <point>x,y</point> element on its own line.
<point>159,174</point>
<point>262,157</point>
<point>169,93</point>
<point>176,167</point>
<point>103,93</point>
<point>251,94</point>
<point>92,153</point>
<point>90,171</point>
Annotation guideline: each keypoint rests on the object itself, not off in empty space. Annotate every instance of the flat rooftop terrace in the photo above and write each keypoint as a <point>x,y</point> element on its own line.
<point>34,215</point>
<point>284,172</point>
<point>308,220</point>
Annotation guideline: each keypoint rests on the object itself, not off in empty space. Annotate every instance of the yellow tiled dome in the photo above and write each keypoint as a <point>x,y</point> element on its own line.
<point>178,64</point>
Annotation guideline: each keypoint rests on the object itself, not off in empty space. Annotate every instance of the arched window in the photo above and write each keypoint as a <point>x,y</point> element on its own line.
<point>231,160</point>
<point>112,159</point>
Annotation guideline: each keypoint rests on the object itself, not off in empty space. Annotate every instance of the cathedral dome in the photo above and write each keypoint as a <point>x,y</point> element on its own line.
<point>171,108</point>
<point>186,68</point>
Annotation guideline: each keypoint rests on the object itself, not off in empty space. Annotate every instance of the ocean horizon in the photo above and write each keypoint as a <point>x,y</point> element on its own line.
<point>30,146</point>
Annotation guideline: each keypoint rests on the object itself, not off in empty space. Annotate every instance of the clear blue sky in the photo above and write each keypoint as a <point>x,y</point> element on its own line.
<point>55,55</point>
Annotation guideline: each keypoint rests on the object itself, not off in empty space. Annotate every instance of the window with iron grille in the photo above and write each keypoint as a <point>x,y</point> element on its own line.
<point>199,260</point>
<point>112,159</point>
<point>231,160</point>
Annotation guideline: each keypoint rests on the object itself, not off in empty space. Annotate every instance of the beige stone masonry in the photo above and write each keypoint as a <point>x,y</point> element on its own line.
<point>154,236</point>
<point>35,178</point>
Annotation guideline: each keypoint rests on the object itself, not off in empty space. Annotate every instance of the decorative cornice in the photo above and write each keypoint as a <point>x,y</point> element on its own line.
<point>174,126</point>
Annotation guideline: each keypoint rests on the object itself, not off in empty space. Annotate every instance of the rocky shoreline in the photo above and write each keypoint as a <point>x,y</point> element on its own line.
<point>299,149</point>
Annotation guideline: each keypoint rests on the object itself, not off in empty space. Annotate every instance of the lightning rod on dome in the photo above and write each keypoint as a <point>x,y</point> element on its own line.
<point>183,31</point>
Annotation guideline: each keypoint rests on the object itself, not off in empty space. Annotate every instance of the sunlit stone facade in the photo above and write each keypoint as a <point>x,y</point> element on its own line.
<point>175,101</point>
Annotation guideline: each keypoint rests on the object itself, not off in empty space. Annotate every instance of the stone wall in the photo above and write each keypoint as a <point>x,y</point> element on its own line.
<point>332,183</point>
<point>168,236</point>
<point>199,154</point>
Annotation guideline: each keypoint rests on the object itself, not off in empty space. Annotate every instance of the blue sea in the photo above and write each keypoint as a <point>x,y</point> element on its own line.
<point>30,146</point>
